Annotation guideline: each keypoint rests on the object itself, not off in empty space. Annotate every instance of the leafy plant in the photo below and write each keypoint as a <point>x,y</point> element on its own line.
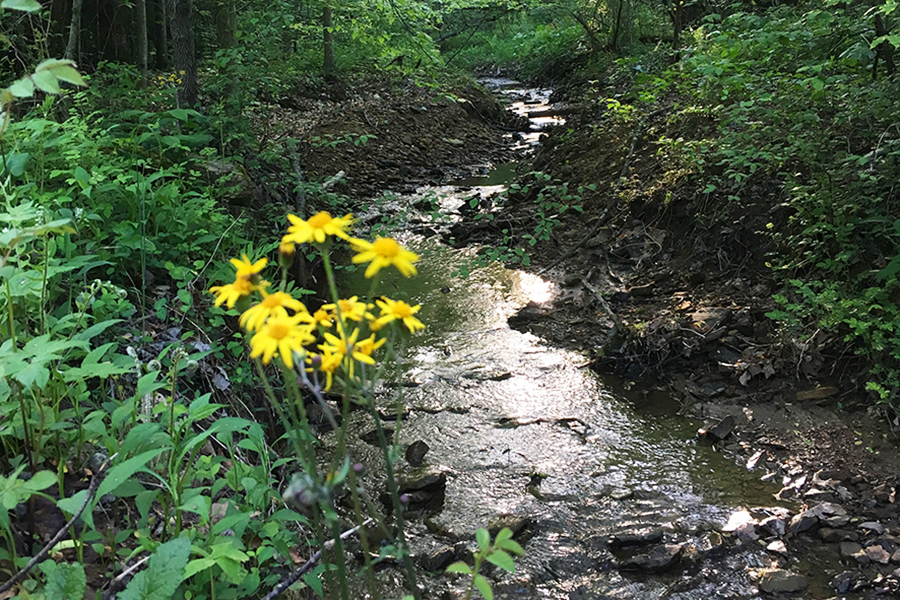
<point>497,553</point>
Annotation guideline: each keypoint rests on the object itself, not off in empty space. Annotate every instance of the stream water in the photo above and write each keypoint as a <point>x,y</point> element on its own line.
<point>524,432</point>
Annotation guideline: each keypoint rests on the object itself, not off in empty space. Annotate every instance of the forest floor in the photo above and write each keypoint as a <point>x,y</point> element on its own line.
<point>687,295</point>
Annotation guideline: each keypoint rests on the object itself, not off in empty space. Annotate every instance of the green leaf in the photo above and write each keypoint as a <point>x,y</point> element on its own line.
<point>484,587</point>
<point>459,567</point>
<point>164,573</point>
<point>16,162</point>
<point>502,560</point>
<point>197,565</point>
<point>122,471</point>
<point>512,546</point>
<point>23,88</point>
<point>65,581</point>
<point>484,539</point>
<point>46,82</point>
<point>23,5</point>
<point>66,72</point>
<point>503,535</point>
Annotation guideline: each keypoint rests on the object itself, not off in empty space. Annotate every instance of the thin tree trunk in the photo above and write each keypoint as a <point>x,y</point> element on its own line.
<point>74,31</point>
<point>226,24</point>
<point>328,42</point>
<point>184,52</point>
<point>141,50</point>
<point>160,41</point>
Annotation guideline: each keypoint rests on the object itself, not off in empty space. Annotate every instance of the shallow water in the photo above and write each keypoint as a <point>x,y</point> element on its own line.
<point>497,406</point>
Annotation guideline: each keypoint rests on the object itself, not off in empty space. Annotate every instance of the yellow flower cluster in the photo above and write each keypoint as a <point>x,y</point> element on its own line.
<point>172,79</point>
<point>283,326</point>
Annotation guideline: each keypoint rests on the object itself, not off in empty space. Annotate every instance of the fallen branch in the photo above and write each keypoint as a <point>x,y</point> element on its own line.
<point>291,579</point>
<point>45,551</point>
<point>117,582</point>
<point>607,212</point>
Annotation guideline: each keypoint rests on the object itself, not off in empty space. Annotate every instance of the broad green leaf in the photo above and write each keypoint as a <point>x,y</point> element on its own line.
<point>164,573</point>
<point>503,535</point>
<point>23,88</point>
<point>459,567</point>
<point>67,73</point>
<point>484,587</point>
<point>65,581</point>
<point>512,546</point>
<point>46,82</point>
<point>16,162</point>
<point>122,471</point>
<point>484,539</point>
<point>502,560</point>
<point>23,5</point>
<point>197,565</point>
<point>73,503</point>
<point>42,480</point>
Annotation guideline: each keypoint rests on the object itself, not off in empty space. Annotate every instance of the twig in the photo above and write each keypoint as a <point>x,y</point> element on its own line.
<point>618,325</point>
<point>291,579</point>
<point>115,583</point>
<point>607,212</point>
<point>45,551</point>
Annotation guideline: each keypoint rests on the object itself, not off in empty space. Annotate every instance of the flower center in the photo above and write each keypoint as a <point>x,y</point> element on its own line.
<point>346,306</point>
<point>278,331</point>
<point>386,247</point>
<point>243,285</point>
<point>320,220</point>
<point>272,301</point>
<point>402,310</point>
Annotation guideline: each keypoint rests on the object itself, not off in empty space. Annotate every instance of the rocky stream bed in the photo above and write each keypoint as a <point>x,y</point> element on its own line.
<point>516,418</point>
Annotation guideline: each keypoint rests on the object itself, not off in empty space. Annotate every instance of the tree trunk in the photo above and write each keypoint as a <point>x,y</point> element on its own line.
<point>328,42</point>
<point>184,52</point>
<point>158,33</point>
<point>226,24</point>
<point>883,51</point>
<point>72,52</point>
<point>141,50</point>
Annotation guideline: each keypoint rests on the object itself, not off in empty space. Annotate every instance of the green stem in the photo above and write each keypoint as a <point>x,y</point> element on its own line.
<point>44,287</point>
<point>12,325</point>
<point>395,500</point>
<point>363,538</point>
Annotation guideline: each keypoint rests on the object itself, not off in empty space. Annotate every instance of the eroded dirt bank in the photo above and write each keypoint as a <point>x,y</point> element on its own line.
<point>685,298</point>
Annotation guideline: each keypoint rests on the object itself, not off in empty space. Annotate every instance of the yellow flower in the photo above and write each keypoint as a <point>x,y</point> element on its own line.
<point>281,334</point>
<point>246,269</point>
<point>273,305</point>
<point>328,363</point>
<point>317,228</point>
<point>346,347</point>
<point>398,310</point>
<point>286,248</point>
<point>369,345</point>
<point>351,308</point>
<point>231,293</point>
<point>383,252</point>
<point>323,318</point>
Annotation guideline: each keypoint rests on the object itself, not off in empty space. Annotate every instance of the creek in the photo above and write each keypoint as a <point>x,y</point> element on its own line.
<point>527,436</point>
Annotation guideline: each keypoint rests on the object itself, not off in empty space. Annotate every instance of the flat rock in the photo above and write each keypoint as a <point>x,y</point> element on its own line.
<point>837,535</point>
<point>642,537</point>
<point>849,549</point>
<point>817,393</point>
<point>438,560</point>
<point>878,554</point>
<point>658,559</point>
<point>707,319</point>
<point>774,581</point>
<point>777,547</point>
<point>873,526</point>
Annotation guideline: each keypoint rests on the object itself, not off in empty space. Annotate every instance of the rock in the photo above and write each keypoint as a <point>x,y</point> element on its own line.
<point>878,554</point>
<point>742,524</point>
<point>515,523</point>
<point>774,525</point>
<point>641,537</point>
<point>849,549</point>
<point>415,453</point>
<point>836,521</point>
<point>658,559</point>
<point>437,560</point>
<point>817,393</point>
<point>719,431</point>
<point>777,547</point>
<point>371,437</point>
<point>873,526</point>
<point>707,319</point>
<point>621,494</point>
<point>837,535</point>
<point>422,490</point>
<point>895,557</point>
<point>773,581</point>
<point>845,582</point>
<point>712,544</point>
<point>803,522</point>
